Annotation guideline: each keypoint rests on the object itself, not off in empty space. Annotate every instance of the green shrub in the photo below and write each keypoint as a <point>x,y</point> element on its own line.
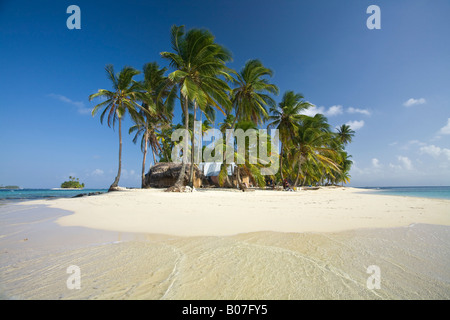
<point>73,183</point>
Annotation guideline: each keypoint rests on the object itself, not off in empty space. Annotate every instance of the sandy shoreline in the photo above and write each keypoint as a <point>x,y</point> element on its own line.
<point>219,213</point>
<point>147,244</point>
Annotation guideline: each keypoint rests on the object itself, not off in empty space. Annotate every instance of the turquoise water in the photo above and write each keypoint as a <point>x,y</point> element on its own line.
<point>32,194</point>
<point>442,192</point>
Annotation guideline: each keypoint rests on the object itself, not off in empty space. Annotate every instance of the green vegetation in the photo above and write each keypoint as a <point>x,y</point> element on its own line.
<point>311,152</point>
<point>73,183</point>
<point>123,98</point>
<point>153,118</point>
<point>200,77</point>
<point>9,187</point>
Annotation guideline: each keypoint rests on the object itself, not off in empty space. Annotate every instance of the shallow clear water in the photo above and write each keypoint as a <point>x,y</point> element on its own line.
<point>440,192</point>
<point>412,263</point>
<point>32,194</point>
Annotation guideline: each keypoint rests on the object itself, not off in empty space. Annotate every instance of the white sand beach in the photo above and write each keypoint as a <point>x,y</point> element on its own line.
<point>213,244</point>
<point>221,213</point>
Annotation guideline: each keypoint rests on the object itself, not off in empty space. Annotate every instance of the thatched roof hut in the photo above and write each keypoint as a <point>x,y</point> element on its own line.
<point>165,174</point>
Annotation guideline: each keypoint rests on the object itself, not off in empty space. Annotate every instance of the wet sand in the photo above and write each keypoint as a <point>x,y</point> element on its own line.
<point>36,250</point>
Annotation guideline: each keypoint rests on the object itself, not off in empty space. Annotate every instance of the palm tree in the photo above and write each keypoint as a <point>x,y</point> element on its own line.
<point>157,113</point>
<point>345,134</point>
<point>122,99</point>
<point>147,129</point>
<point>286,118</point>
<point>166,143</point>
<point>199,63</point>
<point>251,95</point>
<point>343,175</point>
<point>243,161</point>
<point>228,123</point>
<point>312,145</point>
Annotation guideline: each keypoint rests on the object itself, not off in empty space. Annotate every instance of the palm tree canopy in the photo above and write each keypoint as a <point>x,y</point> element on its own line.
<point>123,97</point>
<point>287,116</point>
<point>252,92</point>
<point>345,134</point>
<point>227,123</point>
<point>154,114</point>
<point>156,97</point>
<point>200,66</point>
<point>313,145</point>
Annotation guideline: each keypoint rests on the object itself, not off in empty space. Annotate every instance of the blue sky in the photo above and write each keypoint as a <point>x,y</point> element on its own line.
<point>392,85</point>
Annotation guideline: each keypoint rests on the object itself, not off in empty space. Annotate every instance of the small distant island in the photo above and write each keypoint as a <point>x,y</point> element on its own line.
<point>73,183</point>
<point>9,187</point>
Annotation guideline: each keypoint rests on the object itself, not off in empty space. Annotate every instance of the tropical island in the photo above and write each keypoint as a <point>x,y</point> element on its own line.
<point>311,151</point>
<point>72,183</point>
<point>10,187</point>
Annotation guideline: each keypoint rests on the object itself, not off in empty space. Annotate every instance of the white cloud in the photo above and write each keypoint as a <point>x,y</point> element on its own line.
<point>446,152</point>
<point>355,125</point>
<point>416,142</point>
<point>129,174</point>
<point>405,162</point>
<point>412,143</point>
<point>412,102</point>
<point>330,112</point>
<point>334,111</point>
<point>446,128</point>
<point>431,150</point>
<point>97,172</point>
<point>376,163</point>
<point>312,111</point>
<point>356,110</point>
<point>435,151</point>
<point>393,166</point>
<point>79,104</point>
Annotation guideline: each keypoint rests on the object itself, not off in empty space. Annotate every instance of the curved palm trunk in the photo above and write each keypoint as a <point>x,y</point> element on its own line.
<point>180,180</point>
<point>227,178</point>
<point>144,159</point>
<point>116,181</point>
